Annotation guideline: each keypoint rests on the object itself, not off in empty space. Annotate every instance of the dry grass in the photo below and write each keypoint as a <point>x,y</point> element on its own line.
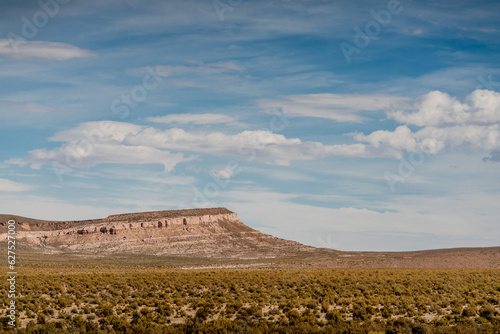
<point>117,300</point>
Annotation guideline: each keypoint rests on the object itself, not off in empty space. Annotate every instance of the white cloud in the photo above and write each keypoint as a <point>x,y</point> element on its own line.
<point>11,186</point>
<point>446,123</point>
<point>437,108</point>
<point>110,131</point>
<point>432,139</point>
<point>193,118</point>
<point>116,142</point>
<point>81,154</point>
<point>401,138</point>
<point>222,173</point>
<point>265,145</point>
<point>338,107</point>
<point>471,137</point>
<point>25,50</point>
<point>100,142</point>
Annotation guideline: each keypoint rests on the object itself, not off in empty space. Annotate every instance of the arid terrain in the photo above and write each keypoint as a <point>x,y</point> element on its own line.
<point>206,238</point>
<point>204,271</point>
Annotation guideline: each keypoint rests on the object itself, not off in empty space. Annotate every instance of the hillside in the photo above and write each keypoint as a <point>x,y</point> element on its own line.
<point>206,233</point>
<point>207,238</point>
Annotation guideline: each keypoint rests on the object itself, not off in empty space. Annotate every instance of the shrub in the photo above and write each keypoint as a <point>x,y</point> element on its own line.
<point>488,312</point>
<point>469,312</point>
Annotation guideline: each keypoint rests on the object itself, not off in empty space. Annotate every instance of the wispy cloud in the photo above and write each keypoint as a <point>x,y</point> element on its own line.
<point>10,108</point>
<point>193,118</point>
<point>82,156</point>
<point>11,186</point>
<point>337,107</point>
<point>41,50</point>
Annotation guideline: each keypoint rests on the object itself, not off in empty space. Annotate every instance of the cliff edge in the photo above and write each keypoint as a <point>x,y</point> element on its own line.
<point>210,233</point>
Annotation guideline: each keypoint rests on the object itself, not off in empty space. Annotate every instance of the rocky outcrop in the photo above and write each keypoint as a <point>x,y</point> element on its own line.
<point>213,233</point>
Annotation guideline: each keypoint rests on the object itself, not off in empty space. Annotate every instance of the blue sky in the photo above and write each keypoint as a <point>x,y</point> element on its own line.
<point>356,125</point>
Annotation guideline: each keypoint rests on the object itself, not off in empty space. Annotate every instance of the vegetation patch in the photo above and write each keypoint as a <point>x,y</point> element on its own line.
<point>256,301</point>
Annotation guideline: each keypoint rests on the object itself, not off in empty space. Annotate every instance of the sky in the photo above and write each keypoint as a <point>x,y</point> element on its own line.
<point>354,125</point>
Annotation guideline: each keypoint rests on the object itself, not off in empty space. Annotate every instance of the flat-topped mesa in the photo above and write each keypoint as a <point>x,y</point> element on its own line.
<point>170,214</point>
<point>148,219</point>
<point>130,227</point>
<point>160,219</point>
<point>207,233</point>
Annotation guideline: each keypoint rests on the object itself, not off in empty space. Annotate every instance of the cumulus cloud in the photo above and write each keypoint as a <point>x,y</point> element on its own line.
<point>93,143</point>
<point>28,50</point>
<point>266,145</point>
<point>437,108</point>
<point>401,138</point>
<point>446,123</point>
<point>11,186</point>
<point>100,142</point>
<point>193,118</point>
<point>433,139</point>
<point>337,107</point>
<point>116,142</point>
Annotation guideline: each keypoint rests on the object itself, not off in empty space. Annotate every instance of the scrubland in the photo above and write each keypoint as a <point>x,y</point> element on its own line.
<point>255,301</point>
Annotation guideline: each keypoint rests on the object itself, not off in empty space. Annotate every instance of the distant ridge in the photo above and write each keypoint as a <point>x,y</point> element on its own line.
<point>214,235</point>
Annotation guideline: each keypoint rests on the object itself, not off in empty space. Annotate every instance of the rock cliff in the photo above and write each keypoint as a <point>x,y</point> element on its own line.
<point>211,233</point>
